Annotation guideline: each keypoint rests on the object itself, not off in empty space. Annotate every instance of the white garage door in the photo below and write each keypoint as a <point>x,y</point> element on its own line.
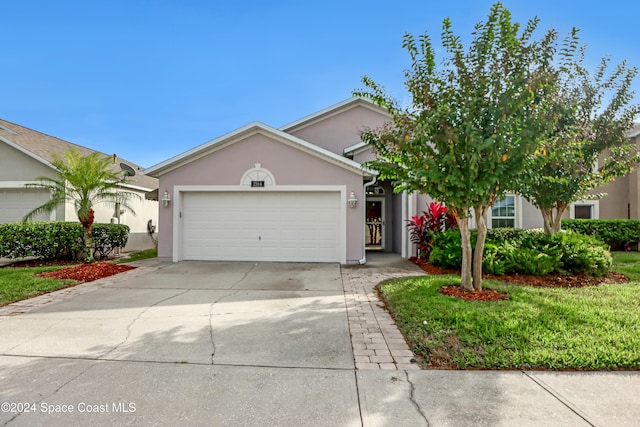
<point>254,226</point>
<point>16,203</point>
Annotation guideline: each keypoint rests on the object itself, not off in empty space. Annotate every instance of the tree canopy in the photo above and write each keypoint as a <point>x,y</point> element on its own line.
<point>588,145</point>
<point>473,123</point>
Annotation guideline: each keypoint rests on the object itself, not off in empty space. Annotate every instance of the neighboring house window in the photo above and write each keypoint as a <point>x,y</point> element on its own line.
<point>585,209</point>
<point>503,213</point>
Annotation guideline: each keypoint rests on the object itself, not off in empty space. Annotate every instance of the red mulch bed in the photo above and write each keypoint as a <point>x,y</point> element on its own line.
<point>483,295</point>
<point>87,272</point>
<point>551,280</point>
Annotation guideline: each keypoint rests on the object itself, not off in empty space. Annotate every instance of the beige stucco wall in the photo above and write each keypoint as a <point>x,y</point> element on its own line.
<point>337,132</point>
<point>145,210</point>
<point>634,194</point>
<point>616,203</point>
<point>17,166</point>
<point>289,166</point>
<point>531,216</point>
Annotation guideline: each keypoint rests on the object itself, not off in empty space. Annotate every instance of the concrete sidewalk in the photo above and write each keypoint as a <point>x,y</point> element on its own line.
<point>262,344</point>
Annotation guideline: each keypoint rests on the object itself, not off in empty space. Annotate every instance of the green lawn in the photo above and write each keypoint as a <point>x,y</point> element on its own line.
<point>19,283</point>
<point>585,328</point>
<point>137,256</point>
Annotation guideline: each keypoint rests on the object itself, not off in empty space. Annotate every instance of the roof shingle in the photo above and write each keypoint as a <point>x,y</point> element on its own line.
<point>43,146</point>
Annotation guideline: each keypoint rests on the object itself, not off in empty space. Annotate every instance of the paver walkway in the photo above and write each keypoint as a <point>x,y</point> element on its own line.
<point>377,342</point>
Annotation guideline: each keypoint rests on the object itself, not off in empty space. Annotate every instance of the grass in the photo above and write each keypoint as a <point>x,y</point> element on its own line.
<point>592,328</point>
<point>137,256</point>
<point>17,284</point>
<point>20,283</point>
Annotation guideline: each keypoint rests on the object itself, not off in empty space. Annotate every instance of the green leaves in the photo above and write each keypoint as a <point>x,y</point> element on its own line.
<point>84,181</point>
<point>58,239</point>
<point>466,115</point>
<point>585,141</point>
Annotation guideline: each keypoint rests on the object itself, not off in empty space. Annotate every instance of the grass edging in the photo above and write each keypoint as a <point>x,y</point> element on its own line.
<point>591,328</point>
<point>17,284</point>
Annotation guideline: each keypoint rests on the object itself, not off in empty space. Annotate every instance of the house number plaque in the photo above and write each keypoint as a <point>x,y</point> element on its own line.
<point>257,183</point>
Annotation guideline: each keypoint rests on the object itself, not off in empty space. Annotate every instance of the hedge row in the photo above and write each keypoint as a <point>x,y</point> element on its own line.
<point>618,233</point>
<point>58,240</point>
<point>512,251</point>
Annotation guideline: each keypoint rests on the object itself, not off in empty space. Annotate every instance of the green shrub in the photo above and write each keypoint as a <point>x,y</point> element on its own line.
<point>528,252</point>
<point>58,239</point>
<point>618,233</point>
<point>107,237</point>
<point>492,262</point>
<point>447,249</point>
<point>583,254</point>
<point>505,233</point>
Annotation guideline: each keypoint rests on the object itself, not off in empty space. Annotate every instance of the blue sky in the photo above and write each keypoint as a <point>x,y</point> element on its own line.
<point>149,79</point>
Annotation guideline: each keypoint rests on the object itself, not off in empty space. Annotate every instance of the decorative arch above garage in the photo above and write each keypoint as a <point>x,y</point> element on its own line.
<point>258,177</point>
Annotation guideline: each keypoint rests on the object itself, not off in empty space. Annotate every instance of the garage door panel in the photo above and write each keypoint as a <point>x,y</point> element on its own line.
<point>269,226</point>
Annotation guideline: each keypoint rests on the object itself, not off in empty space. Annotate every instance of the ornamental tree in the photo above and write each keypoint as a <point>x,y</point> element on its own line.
<point>473,123</point>
<point>84,181</point>
<point>588,145</point>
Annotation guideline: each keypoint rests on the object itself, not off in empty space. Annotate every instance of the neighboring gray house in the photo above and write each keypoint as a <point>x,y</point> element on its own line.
<point>25,154</point>
<point>298,193</point>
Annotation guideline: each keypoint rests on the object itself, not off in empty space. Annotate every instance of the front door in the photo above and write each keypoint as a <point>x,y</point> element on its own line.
<point>374,232</point>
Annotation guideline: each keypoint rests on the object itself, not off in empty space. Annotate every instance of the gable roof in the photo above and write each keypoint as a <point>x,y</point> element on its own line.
<point>40,147</point>
<point>250,129</point>
<point>360,146</point>
<point>331,111</point>
<point>635,130</point>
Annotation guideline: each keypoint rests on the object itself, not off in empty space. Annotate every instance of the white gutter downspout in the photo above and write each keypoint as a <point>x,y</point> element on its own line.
<point>364,215</point>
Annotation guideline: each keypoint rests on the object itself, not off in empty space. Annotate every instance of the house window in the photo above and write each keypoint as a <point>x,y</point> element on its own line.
<point>503,213</point>
<point>583,211</point>
<point>375,190</point>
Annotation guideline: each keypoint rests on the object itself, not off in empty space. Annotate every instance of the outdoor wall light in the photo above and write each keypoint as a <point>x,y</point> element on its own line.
<point>353,200</point>
<point>166,199</point>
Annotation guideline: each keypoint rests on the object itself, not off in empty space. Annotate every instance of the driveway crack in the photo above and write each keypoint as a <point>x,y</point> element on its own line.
<point>135,319</point>
<point>244,276</point>
<point>213,343</point>
<point>33,337</point>
<point>412,397</point>
<point>54,392</point>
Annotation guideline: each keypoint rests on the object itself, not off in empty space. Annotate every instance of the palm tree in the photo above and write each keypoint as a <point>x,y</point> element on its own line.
<point>85,181</point>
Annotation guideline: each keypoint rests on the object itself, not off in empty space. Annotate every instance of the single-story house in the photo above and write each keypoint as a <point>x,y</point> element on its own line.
<point>297,193</point>
<point>25,154</point>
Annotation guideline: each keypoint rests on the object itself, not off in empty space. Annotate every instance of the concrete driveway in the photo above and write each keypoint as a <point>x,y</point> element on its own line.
<point>259,344</point>
<point>189,343</point>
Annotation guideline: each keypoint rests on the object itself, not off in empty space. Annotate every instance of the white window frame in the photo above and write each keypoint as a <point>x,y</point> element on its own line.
<point>595,208</point>
<point>517,212</point>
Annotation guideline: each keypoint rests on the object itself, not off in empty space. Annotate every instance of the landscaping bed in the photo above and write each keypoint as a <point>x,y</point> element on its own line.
<point>87,272</point>
<point>29,278</point>
<point>545,322</point>
<point>549,280</point>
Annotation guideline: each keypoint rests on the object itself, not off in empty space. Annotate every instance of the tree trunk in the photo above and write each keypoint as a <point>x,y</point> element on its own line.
<point>87,228</point>
<point>552,224</point>
<point>465,234</point>
<point>481,223</point>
